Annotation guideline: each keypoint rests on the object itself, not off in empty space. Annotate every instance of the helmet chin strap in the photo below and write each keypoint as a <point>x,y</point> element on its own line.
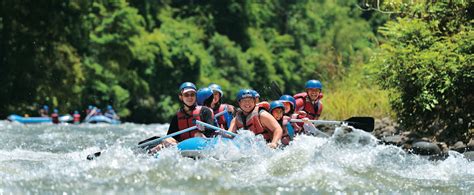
<point>246,113</point>
<point>189,107</point>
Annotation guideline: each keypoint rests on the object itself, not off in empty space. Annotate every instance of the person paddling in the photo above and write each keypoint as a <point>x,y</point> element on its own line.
<point>260,122</point>
<point>55,116</point>
<point>110,113</point>
<point>43,112</point>
<point>277,109</point>
<point>217,106</point>
<point>185,117</point>
<point>290,104</point>
<point>76,117</point>
<point>205,98</point>
<point>308,103</point>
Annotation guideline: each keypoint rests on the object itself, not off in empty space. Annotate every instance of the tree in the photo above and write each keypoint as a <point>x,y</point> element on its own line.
<point>427,63</point>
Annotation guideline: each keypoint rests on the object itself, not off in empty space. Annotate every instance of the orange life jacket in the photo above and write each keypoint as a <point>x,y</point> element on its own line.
<point>252,122</point>
<point>313,110</point>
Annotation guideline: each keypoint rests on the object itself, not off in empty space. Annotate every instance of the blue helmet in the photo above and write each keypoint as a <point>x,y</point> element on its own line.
<point>45,107</point>
<point>289,98</point>
<point>203,94</point>
<point>187,85</point>
<point>255,94</point>
<point>76,112</point>
<point>90,107</point>
<point>276,104</point>
<point>109,107</point>
<point>55,110</point>
<point>245,93</point>
<point>216,87</point>
<point>314,84</point>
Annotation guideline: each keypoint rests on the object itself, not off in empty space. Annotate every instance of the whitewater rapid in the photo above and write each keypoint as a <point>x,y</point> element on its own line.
<point>49,158</point>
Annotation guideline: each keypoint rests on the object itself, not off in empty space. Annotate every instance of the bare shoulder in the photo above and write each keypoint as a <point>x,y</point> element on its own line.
<point>266,116</point>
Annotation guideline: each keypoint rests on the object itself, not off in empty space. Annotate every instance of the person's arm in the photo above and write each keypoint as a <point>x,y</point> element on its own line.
<point>271,123</point>
<point>169,141</point>
<point>206,116</point>
<point>296,126</point>
<point>230,109</point>
<point>233,126</point>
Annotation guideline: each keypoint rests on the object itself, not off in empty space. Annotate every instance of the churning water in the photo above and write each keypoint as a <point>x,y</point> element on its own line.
<point>52,159</point>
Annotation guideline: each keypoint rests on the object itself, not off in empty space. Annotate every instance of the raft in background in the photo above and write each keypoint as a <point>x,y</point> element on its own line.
<point>101,119</point>
<point>35,120</point>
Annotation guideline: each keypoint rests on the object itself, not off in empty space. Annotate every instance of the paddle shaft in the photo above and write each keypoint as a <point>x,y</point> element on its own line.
<point>221,113</point>
<point>157,141</point>
<point>318,122</point>
<point>215,128</point>
<point>360,122</point>
<point>151,141</point>
<point>92,112</point>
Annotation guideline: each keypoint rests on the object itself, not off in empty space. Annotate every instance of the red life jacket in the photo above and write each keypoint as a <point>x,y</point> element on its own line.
<point>186,121</point>
<point>313,111</point>
<point>77,118</point>
<point>55,118</point>
<point>252,122</point>
<point>263,105</point>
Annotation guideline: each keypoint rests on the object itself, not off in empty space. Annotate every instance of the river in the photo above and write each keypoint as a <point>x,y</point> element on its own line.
<point>46,158</point>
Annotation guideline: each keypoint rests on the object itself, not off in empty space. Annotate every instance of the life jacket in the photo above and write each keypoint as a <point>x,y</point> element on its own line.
<point>313,111</point>
<point>55,118</point>
<point>263,105</point>
<point>221,120</point>
<point>186,121</point>
<point>77,118</point>
<point>252,123</point>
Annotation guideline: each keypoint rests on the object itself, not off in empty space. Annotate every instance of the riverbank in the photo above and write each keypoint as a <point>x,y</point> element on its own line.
<point>389,132</point>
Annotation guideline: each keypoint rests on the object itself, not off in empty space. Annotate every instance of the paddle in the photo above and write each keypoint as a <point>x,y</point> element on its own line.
<point>268,92</point>
<point>92,112</point>
<point>97,154</point>
<point>149,139</point>
<point>276,89</point>
<point>358,122</point>
<point>144,144</point>
<point>157,141</point>
<point>215,128</point>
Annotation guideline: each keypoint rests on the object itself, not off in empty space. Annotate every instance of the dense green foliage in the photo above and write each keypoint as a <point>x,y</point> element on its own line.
<point>133,55</point>
<point>427,64</point>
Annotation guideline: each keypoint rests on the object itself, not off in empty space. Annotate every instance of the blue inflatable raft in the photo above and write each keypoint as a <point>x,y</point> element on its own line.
<point>32,120</point>
<point>101,119</point>
<point>194,147</point>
